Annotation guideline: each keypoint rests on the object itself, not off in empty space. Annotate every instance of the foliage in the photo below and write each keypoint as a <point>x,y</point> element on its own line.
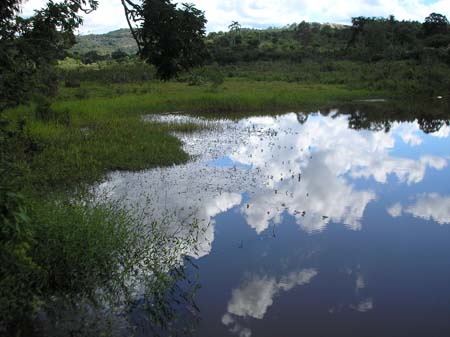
<point>92,57</point>
<point>29,47</point>
<point>368,39</point>
<point>74,253</point>
<point>132,71</point>
<point>119,55</point>
<point>435,24</point>
<point>168,37</point>
<point>18,271</point>
<point>105,44</point>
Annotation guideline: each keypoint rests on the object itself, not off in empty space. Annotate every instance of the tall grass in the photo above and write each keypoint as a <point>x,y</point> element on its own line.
<point>96,255</point>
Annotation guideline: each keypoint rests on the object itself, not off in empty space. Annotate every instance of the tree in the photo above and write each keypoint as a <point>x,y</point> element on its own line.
<point>119,55</point>
<point>235,30</point>
<point>30,47</point>
<point>235,27</point>
<point>168,37</point>
<point>435,24</point>
<point>303,33</point>
<point>92,56</point>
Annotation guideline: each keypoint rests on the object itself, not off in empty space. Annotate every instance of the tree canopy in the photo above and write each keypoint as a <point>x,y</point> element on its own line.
<point>168,36</point>
<point>435,24</point>
<point>28,47</point>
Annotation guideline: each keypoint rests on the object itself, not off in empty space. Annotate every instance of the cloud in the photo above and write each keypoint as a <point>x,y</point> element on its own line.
<point>431,206</point>
<point>409,133</point>
<point>323,151</point>
<point>253,299</point>
<point>256,295</point>
<point>395,210</point>
<point>443,132</point>
<point>267,168</point>
<point>264,13</point>
<point>176,205</point>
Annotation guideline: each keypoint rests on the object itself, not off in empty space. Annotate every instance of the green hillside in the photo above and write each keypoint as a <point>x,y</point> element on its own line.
<point>106,43</point>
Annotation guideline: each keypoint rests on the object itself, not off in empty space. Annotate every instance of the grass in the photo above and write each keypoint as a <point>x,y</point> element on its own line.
<point>105,131</point>
<point>233,96</point>
<point>93,256</point>
<point>74,156</point>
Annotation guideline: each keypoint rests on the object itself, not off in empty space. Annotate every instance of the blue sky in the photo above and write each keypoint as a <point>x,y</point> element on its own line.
<point>264,13</point>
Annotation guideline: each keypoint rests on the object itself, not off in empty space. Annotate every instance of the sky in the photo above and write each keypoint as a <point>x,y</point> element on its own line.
<point>268,13</point>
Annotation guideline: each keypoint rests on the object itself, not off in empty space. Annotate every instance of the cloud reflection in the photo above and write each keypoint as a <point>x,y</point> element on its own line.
<point>431,206</point>
<point>277,167</point>
<point>256,295</point>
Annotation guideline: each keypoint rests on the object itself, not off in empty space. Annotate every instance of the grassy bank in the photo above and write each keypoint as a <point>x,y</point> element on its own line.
<point>81,137</point>
<point>235,95</point>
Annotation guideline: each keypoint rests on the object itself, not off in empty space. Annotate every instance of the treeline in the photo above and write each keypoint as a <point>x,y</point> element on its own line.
<point>93,56</point>
<point>368,39</point>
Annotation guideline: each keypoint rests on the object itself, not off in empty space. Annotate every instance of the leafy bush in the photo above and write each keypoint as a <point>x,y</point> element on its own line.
<point>19,274</point>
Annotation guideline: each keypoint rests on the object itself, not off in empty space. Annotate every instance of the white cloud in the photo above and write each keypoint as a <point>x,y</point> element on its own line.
<point>431,206</point>
<point>263,13</point>
<point>323,152</point>
<point>395,210</point>
<point>253,299</point>
<point>177,204</point>
<point>408,132</point>
<point>256,295</point>
<point>443,132</point>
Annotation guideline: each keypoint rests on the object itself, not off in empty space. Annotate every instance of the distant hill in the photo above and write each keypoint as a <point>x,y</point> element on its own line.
<point>106,43</point>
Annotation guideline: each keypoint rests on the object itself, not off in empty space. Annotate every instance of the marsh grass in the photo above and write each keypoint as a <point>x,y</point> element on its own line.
<point>101,133</point>
<point>235,95</point>
<point>97,258</point>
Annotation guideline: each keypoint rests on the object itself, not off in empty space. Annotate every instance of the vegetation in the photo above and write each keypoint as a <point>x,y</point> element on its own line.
<point>168,37</point>
<point>105,44</point>
<point>56,245</point>
<point>406,57</point>
<point>66,122</point>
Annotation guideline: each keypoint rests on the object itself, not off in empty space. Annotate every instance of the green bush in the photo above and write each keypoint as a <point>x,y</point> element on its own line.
<point>19,274</point>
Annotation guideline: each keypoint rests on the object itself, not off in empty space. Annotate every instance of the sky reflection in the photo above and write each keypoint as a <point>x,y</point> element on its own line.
<point>309,215</point>
<point>309,168</point>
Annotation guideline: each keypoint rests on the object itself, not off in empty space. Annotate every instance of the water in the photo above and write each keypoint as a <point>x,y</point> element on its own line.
<point>313,225</point>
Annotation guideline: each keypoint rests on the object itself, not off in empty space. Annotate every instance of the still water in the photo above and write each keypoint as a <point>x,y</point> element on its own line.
<point>312,224</point>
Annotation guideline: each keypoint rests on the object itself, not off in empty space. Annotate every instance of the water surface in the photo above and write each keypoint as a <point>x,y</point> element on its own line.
<point>313,224</point>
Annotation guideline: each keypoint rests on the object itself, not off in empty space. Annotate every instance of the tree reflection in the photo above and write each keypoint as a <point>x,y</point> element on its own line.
<point>378,117</point>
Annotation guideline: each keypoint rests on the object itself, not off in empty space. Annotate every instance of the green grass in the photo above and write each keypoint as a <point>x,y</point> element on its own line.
<point>232,96</point>
<point>105,131</point>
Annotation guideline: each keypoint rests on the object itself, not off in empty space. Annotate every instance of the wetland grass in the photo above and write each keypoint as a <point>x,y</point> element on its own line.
<point>100,133</point>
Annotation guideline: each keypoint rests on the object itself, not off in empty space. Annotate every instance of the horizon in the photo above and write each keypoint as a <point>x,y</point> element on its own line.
<point>265,14</point>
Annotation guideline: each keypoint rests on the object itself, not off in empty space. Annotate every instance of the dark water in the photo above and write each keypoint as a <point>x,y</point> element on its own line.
<point>313,225</point>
